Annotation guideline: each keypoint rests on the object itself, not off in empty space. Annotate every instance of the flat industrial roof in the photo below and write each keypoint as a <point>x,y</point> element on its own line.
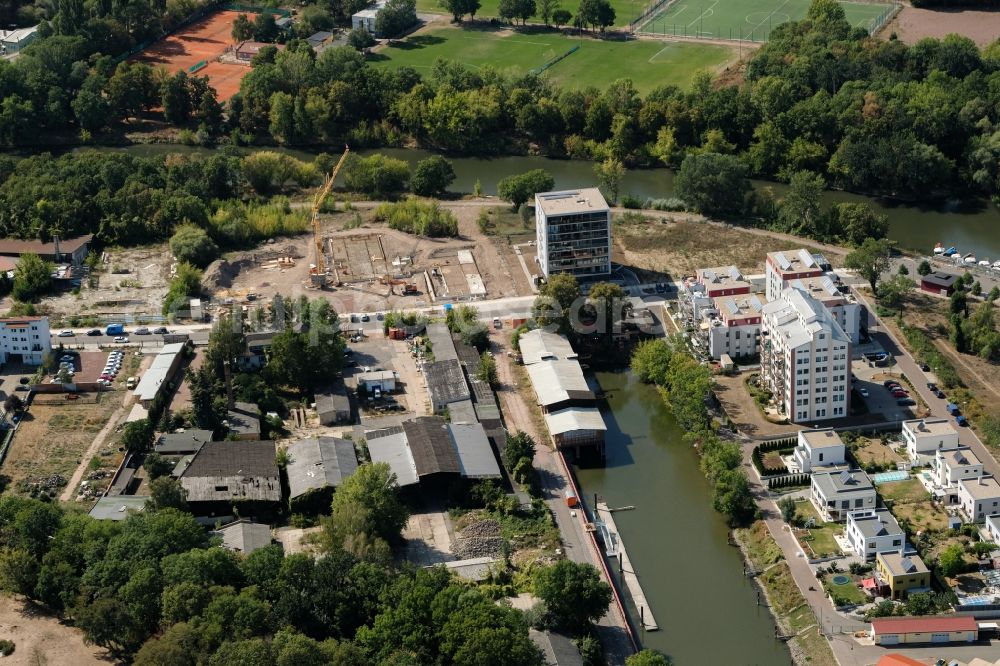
<point>575,418</point>
<point>118,507</point>
<point>567,202</point>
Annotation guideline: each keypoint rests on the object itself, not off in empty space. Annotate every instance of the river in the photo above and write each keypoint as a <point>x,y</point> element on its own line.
<point>971,225</point>
<point>705,607</point>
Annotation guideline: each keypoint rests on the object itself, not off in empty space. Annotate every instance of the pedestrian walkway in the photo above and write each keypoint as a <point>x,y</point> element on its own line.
<point>628,573</point>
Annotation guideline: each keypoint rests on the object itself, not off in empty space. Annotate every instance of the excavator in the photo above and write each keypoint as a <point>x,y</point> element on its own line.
<point>317,273</point>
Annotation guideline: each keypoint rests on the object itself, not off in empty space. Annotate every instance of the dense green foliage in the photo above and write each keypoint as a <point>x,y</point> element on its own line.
<point>432,176</point>
<point>417,217</point>
<point>573,593</point>
<point>32,278</point>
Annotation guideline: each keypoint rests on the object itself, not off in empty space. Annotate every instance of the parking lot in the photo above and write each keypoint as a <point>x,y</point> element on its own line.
<point>880,400</point>
<point>372,354</point>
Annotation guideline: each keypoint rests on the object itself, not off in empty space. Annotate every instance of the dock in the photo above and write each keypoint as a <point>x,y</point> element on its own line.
<point>615,550</point>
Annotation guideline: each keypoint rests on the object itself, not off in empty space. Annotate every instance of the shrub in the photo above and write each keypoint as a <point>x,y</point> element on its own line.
<point>669,204</point>
<point>416,217</point>
<point>631,201</point>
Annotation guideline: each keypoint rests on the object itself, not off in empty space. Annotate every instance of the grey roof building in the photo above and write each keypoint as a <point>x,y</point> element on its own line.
<point>835,494</point>
<point>243,536</point>
<point>539,345</point>
<point>445,383</point>
<point>182,443</point>
<point>442,345</point>
<point>227,472</point>
<point>558,649</point>
<point>243,420</point>
<point>319,462</point>
<point>118,507</point>
<point>333,405</point>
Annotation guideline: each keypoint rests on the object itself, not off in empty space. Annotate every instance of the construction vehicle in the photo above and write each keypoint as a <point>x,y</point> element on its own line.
<point>317,272</point>
<point>409,288</point>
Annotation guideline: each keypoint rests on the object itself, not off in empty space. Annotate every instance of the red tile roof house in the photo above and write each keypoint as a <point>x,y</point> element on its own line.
<point>931,629</point>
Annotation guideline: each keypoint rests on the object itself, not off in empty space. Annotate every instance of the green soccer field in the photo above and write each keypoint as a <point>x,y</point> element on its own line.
<point>745,19</point>
<point>596,63</point>
<point>625,10</point>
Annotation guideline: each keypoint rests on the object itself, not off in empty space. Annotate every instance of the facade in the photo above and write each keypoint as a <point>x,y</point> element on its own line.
<point>24,340</point>
<point>874,532</point>
<point>782,268</point>
<point>979,497</point>
<point>248,49</point>
<point>930,629</point>
<point>902,574</point>
<point>161,373</point>
<point>805,358</point>
<point>954,465</point>
<point>14,41</point>
<point>837,494</point>
<point>942,284</point>
<point>576,428</point>
<point>383,380</point>
<point>333,405</point>
<point>818,449</point>
<point>573,230</point>
<point>924,437</point>
<point>992,528</point>
<point>734,327</point>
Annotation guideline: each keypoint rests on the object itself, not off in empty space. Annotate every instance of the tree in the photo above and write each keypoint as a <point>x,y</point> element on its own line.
<point>713,184</point>
<point>487,368</point>
<point>647,658</point>
<point>359,38</point>
<point>185,284</point>
<point>573,593</point>
<point>596,14</point>
<point>924,268</point>
<point>193,245</point>
<point>651,361</point>
<point>732,497</point>
<point>611,305</point>
<point>871,259</point>
<point>788,510</point>
<point>432,176</point>
<point>32,278</point>
<point>395,18</point>
<point>609,175</point>
<point>920,603</point>
<point>176,99</point>
<point>799,211</point>
<point>376,175</point>
<point>137,436</point>
<point>522,187</point>
<point>520,446</point>
<point>951,561</point>
<point>459,8</point>
<point>242,28</point>
<point>512,10</point>
<point>157,466</point>
<point>976,289</point>
<point>265,29</point>
<point>558,302</point>
<point>546,8</point>
<point>903,270</point>
<point>560,16</point>
<point>891,293</point>
<point>371,489</point>
<point>993,295</point>
<point>166,492</point>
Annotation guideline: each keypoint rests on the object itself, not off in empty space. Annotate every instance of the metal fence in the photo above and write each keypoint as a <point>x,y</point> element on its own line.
<point>550,63</point>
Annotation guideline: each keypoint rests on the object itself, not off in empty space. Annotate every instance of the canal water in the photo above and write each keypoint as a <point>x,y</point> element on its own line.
<point>705,607</point>
<point>971,225</point>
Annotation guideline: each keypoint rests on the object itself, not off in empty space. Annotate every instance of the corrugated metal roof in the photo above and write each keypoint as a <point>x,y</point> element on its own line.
<point>575,418</point>
<point>445,382</point>
<point>159,372</point>
<point>558,381</point>
<point>539,345</point>
<point>319,462</point>
<point>431,446</point>
<point>442,345</point>
<point>244,537</point>
<point>389,446</point>
<point>233,471</point>
<point>474,451</point>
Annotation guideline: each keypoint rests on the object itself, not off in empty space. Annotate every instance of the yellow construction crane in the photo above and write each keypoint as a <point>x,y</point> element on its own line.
<point>318,272</point>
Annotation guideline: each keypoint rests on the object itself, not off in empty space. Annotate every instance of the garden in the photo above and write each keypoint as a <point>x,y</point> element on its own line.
<point>814,535</point>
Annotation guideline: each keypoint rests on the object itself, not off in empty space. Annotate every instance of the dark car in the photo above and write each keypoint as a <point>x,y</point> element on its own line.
<point>161,330</point>
<point>932,386</point>
<point>906,402</point>
<point>141,331</point>
<point>94,331</point>
<point>925,367</point>
<point>889,382</point>
<point>940,394</point>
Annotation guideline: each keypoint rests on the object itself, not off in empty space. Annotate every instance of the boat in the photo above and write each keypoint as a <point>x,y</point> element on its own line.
<point>950,251</point>
<point>939,249</point>
<point>969,258</point>
<point>996,264</point>
<point>984,262</point>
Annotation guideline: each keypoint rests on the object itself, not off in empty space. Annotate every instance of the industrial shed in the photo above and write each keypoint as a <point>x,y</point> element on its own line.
<point>223,475</point>
<point>316,467</point>
<point>930,629</point>
<point>445,383</point>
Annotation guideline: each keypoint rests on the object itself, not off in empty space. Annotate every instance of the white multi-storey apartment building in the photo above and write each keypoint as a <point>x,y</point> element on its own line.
<point>734,327</point>
<point>24,340</point>
<point>573,231</point>
<point>805,358</point>
<point>809,272</point>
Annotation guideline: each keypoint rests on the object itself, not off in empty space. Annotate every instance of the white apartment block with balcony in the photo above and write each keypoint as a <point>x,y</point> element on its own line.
<point>874,532</point>
<point>979,497</point>
<point>734,326</point>
<point>818,449</point>
<point>799,269</point>
<point>925,437</point>
<point>24,340</point>
<point>805,358</point>
<point>573,232</point>
<point>838,494</point>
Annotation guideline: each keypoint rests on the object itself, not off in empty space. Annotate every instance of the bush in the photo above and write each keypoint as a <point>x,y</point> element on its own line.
<point>6,647</point>
<point>376,175</point>
<point>672,204</point>
<point>416,217</point>
<point>631,201</point>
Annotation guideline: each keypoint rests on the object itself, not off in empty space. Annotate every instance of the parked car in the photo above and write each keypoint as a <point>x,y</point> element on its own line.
<point>94,331</point>
<point>380,316</point>
<point>900,394</point>
<point>940,394</point>
<point>365,317</point>
<point>932,386</point>
<point>863,392</point>
<point>160,330</point>
<point>906,402</point>
<point>925,367</point>
<point>66,334</point>
<point>141,331</point>
<point>890,382</point>
<point>121,338</point>
<point>22,387</point>
<point>961,420</point>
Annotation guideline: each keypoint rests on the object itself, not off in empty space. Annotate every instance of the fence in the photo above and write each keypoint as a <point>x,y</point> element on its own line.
<point>550,63</point>
<point>256,9</point>
<point>652,9</point>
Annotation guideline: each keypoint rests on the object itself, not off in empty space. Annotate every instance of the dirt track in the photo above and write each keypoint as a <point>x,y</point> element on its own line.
<point>913,24</point>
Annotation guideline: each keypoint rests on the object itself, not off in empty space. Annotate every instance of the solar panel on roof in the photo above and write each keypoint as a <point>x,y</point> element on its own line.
<point>735,273</point>
<point>731,305</point>
<point>782,261</point>
<point>828,285</point>
<point>710,276</point>
<point>845,476</point>
<point>807,259</point>
<point>755,303</point>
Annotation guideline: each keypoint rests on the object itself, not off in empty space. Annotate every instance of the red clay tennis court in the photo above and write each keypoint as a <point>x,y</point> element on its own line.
<point>206,40</point>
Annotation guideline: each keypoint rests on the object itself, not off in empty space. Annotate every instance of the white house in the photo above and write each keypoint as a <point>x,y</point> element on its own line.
<point>733,326</point>
<point>925,436</point>
<point>819,448</point>
<point>367,16</point>
<point>24,340</point>
<point>993,528</point>
<point>979,497</point>
<point>874,532</point>
<point>954,465</point>
<point>837,494</point>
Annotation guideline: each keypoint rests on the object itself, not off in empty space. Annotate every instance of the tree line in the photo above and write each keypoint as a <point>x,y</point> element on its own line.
<point>820,96</point>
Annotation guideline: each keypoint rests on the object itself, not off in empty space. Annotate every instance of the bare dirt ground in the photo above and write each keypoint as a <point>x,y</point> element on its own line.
<point>41,640</point>
<point>678,245</point>
<point>913,24</point>
<point>130,281</point>
<point>741,408</point>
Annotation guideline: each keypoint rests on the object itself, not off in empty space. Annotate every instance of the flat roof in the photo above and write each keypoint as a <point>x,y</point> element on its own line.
<point>539,345</point>
<point>940,279</point>
<point>820,287</point>
<point>739,305</point>
<point>575,418</point>
<point>567,202</point>
<point>181,443</point>
<point>796,317</point>
<point>924,625</point>
<point>559,381</point>
<point>474,569</point>
<point>984,488</point>
<point>796,261</point>
<point>722,276</point>
<point>475,455</point>
<point>318,462</point>
<point>442,345</point>
<point>960,456</point>
<point>902,565</point>
<point>118,507</point>
<point>827,438</point>
<point>930,427</point>
<point>158,372</point>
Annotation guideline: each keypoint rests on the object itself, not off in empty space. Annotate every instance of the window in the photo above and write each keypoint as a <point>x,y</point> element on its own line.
<point>859,503</point>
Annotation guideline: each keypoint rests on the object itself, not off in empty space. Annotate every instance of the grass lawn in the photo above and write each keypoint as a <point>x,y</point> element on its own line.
<point>874,451</point>
<point>819,537</point>
<point>903,492</point>
<point>597,63</point>
<point>845,594</point>
<point>625,10</point>
<point>922,516</point>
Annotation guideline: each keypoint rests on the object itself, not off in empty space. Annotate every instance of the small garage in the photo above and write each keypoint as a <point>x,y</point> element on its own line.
<point>916,630</point>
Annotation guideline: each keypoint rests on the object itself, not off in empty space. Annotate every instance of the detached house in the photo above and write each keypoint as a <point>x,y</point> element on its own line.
<point>818,449</point>
<point>952,466</point>
<point>903,575</point>
<point>871,533</point>
<point>979,497</point>
<point>925,436</point>
<point>837,494</point>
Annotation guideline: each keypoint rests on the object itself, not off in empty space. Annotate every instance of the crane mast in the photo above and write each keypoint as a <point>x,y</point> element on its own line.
<point>318,271</point>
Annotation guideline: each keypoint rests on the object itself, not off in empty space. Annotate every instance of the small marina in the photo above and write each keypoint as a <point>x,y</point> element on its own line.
<point>614,549</point>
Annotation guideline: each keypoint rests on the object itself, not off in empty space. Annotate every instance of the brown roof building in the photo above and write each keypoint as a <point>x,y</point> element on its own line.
<point>60,251</point>
<point>224,474</point>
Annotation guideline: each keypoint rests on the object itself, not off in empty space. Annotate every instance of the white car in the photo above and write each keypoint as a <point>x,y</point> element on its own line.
<point>66,334</point>
<point>122,339</point>
<point>863,392</point>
